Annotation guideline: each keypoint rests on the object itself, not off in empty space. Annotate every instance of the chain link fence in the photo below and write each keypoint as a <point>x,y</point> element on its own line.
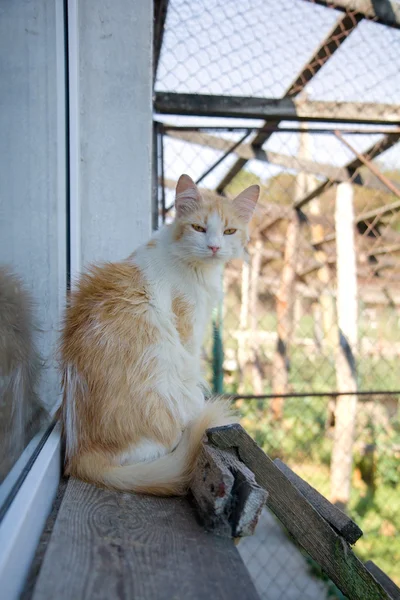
<point>302,98</point>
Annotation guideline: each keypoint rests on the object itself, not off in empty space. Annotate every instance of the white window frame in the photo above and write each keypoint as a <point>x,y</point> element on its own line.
<point>23,523</point>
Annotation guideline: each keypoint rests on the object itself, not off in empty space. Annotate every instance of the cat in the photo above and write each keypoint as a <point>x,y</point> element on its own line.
<point>134,411</point>
<point>21,411</point>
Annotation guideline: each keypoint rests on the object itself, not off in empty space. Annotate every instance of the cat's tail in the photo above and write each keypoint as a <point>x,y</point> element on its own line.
<point>169,475</point>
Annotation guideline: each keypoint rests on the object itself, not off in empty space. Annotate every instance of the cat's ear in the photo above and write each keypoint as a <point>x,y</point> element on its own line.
<point>187,197</point>
<point>245,203</point>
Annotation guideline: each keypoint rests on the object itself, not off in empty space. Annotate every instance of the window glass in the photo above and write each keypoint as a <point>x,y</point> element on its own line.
<point>32,222</point>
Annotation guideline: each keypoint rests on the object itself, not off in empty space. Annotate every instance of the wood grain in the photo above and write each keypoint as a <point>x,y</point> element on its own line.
<point>301,519</point>
<point>340,522</point>
<point>226,496</point>
<point>384,580</point>
<point>107,545</point>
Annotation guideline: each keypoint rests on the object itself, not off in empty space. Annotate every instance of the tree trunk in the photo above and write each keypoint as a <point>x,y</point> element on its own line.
<point>286,293</point>
<point>257,375</point>
<point>284,313</point>
<point>326,301</point>
<point>243,325</point>
<point>346,377</point>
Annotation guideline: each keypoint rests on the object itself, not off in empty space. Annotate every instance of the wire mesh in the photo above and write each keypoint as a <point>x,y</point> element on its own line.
<point>316,310</point>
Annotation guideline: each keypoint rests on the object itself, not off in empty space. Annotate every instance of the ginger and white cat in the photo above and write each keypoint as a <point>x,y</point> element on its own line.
<point>133,410</point>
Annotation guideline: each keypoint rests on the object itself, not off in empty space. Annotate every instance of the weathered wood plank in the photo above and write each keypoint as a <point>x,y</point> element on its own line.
<point>333,515</point>
<point>384,580</point>
<point>205,105</point>
<point>375,150</point>
<point>285,298</point>
<point>381,211</point>
<point>247,152</point>
<point>386,12</point>
<point>392,187</point>
<point>117,545</point>
<point>227,498</point>
<point>336,36</point>
<point>301,519</point>
<point>298,164</point>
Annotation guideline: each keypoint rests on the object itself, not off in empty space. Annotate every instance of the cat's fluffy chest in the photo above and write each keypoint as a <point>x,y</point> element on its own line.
<point>180,295</point>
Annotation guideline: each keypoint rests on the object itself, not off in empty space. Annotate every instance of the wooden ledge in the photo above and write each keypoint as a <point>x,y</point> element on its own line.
<point>107,545</point>
<point>116,545</point>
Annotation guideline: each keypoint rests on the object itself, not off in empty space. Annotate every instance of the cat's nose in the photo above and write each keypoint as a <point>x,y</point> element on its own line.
<point>214,249</point>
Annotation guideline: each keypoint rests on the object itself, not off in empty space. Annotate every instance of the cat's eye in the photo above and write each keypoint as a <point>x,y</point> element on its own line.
<point>199,228</point>
<point>230,231</point>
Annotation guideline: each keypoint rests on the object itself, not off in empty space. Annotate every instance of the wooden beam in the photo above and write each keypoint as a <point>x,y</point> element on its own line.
<point>381,211</point>
<point>369,293</point>
<point>317,191</point>
<point>160,15</point>
<point>335,38</point>
<point>385,143</point>
<point>301,518</point>
<point>248,152</point>
<point>316,266</point>
<point>388,585</point>
<point>339,32</point>
<point>373,168</point>
<point>233,171</point>
<point>369,215</point>
<point>375,150</point>
<point>255,271</point>
<point>340,522</point>
<point>242,352</point>
<point>286,297</point>
<point>226,496</point>
<point>391,248</point>
<point>202,105</point>
<point>386,12</point>
<point>107,545</point>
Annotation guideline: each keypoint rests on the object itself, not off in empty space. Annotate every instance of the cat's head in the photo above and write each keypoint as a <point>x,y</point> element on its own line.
<point>209,230</point>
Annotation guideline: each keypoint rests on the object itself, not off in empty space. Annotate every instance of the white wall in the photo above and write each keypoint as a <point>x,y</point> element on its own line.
<point>110,94</point>
<point>32,164</point>
<point>112,81</point>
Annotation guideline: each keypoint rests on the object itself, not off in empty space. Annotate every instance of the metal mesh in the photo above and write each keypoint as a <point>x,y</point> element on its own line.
<point>306,103</point>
